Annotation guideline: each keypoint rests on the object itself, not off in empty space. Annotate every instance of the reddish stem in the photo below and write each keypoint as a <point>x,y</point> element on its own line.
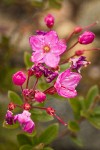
<point>67,60</point>
<point>35,84</point>
<point>44,108</point>
<point>48,89</point>
<point>60,120</point>
<point>27,81</point>
<point>69,37</point>
<point>72,46</point>
<point>91,25</point>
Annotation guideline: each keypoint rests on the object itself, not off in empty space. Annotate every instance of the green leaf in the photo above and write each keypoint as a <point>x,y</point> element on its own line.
<point>14,126</point>
<point>27,61</point>
<point>33,134</point>
<point>43,117</point>
<point>55,3</point>
<point>56,96</point>
<point>23,139</point>
<point>15,98</point>
<point>40,146</point>
<point>76,107</point>
<point>96,110</point>
<point>95,121</point>
<point>26,147</point>
<point>49,134</point>
<point>64,67</point>
<point>92,93</point>
<point>47,148</point>
<point>77,141</point>
<point>73,126</point>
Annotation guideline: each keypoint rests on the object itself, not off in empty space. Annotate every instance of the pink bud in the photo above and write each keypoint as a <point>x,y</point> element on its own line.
<point>79,52</point>
<point>49,20</point>
<point>50,111</point>
<point>19,78</point>
<point>11,106</point>
<point>78,30</point>
<point>26,106</point>
<point>86,38</point>
<point>39,96</point>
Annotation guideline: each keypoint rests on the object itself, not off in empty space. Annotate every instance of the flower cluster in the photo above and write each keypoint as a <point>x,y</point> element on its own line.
<point>47,52</point>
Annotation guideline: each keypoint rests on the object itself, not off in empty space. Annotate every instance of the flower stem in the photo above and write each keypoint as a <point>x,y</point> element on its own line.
<point>27,82</point>
<point>44,108</point>
<point>60,120</point>
<point>65,61</point>
<point>48,89</point>
<point>91,25</point>
<point>35,84</point>
<point>69,37</point>
<point>73,46</point>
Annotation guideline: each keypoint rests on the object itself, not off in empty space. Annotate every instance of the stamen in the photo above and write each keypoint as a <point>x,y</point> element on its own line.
<point>46,49</point>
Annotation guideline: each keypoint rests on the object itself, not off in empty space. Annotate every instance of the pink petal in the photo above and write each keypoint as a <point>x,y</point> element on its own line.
<point>51,60</point>
<point>36,42</point>
<point>72,80</point>
<point>51,38</point>
<point>29,126</point>
<point>37,57</point>
<point>68,93</point>
<point>64,74</point>
<point>59,48</point>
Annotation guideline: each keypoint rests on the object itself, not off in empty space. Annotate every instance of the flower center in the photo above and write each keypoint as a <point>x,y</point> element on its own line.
<point>46,49</point>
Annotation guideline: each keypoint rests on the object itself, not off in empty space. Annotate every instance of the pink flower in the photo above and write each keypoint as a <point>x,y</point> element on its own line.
<point>40,96</point>
<point>19,78</point>
<point>9,117</point>
<point>25,121</point>
<point>49,20</point>
<point>78,63</point>
<point>66,83</point>
<point>86,38</point>
<point>47,48</point>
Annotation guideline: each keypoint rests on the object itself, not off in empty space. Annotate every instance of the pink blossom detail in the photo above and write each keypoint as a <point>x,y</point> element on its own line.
<point>25,121</point>
<point>49,20</point>
<point>19,78</point>
<point>86,38</point>
<point>66,83</point>
<point>47,48</point>
<point>40,96</point>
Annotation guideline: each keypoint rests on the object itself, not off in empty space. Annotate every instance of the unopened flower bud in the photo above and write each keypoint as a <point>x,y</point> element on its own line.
<point>19,78</point>
<point>39,96</point>
<point>78,30</point>
<point>49,20</point>
<point>26,106</point>
<point>11,106</point>
<point>9,118</point>
<point>79,52</point>
<point>50,111</point>
<point>86,38</point>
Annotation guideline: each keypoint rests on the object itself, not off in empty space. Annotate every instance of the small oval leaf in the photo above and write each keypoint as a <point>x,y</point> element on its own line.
<point>14,97</point>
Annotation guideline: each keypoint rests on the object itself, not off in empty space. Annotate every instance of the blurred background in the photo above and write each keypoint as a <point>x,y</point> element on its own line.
<point>19,19</point>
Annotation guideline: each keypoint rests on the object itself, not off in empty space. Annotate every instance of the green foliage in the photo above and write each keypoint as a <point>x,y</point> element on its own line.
<point>55,3</point>
<point>92,93</point>
<point>23,139</point>
<point>73,126</point>
<point>95,121</point>
<point>41,116</point>
<point>77,141</point>
<point>47,148</point>
<point>26,147</point>
<point>27,57</point>
<point>14,97</point>
<point>76,107</point>
<point>14,126</point>
<point>49,134</point>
